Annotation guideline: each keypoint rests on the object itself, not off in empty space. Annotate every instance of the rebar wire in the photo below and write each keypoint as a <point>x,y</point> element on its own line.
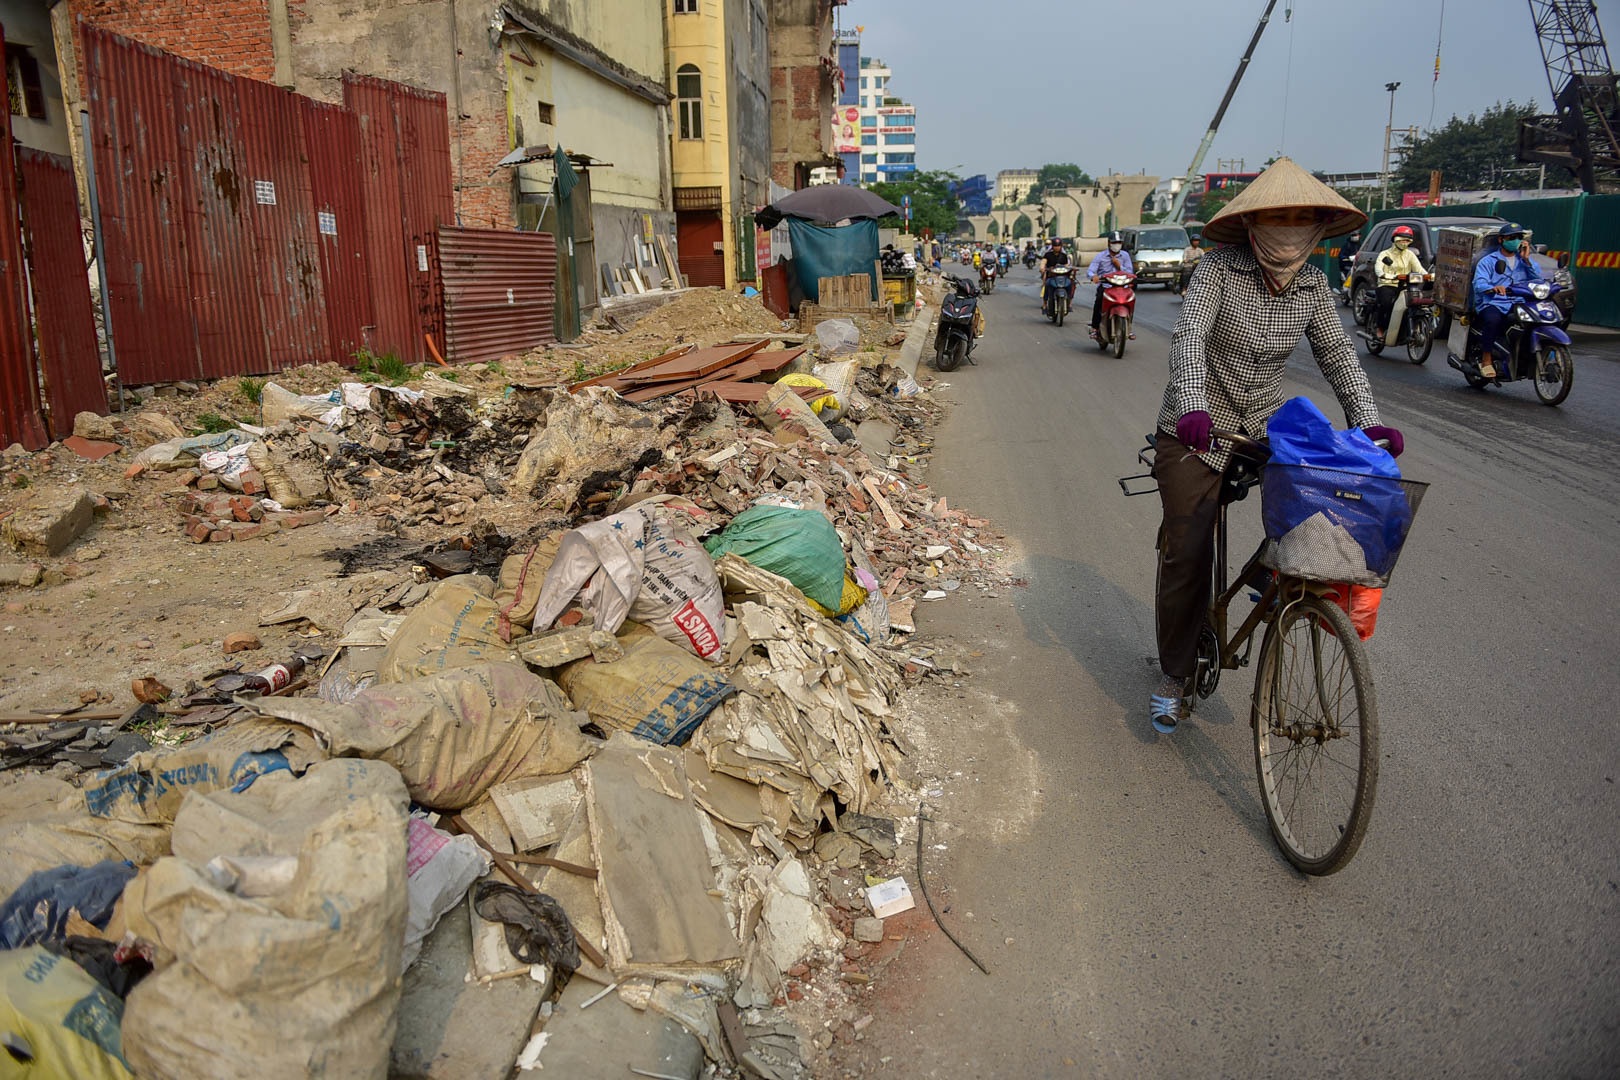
<point>1434,85</point>
<point>922,883</point>
<point>1288,78</point>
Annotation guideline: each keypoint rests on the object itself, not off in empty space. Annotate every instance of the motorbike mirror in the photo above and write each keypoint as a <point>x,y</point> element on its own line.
<point>1563,260</point>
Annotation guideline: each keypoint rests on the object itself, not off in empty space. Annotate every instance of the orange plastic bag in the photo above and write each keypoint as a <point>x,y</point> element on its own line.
<point>1360,602</point>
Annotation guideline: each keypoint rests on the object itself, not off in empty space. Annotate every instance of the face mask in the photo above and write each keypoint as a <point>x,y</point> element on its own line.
<point>1115,247</point>
<point>1282,250</point>
<point>1403,244</point>
<point>1511,246</point>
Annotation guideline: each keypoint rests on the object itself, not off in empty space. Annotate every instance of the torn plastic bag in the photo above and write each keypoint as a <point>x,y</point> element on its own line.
<point>638,565</point>
<point>800,545</point>
<point>441,869</point>
<point>38,911</point>
<point>537,928</point>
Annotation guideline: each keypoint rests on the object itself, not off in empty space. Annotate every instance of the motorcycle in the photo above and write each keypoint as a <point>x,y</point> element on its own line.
<point>1118,310</point>
<point>1413,321</point>
<point>1057,293</point>
<point>1347,266</point>
<point>1029,260</point>
<point>1532,346</point>
<point>1179,285</point>
<point>987,276</point>
<point>954,340</point>
<point>1005,263</point>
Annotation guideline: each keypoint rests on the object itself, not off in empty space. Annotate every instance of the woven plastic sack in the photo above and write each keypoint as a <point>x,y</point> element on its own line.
<point>56,1014</point>
<point>800,545</point>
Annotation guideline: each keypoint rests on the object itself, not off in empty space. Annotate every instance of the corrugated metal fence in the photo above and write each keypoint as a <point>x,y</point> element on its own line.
<point>248,229</point>
<point>1585,227</point>
<point>50,367</point>
<point>500,291</point>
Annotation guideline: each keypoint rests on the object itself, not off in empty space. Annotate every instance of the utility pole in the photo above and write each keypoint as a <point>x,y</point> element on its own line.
<point>1389,130</point>
<point>1209,136</point>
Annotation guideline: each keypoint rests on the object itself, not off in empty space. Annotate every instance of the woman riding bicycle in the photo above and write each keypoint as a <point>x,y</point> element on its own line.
<point>1244,312</point>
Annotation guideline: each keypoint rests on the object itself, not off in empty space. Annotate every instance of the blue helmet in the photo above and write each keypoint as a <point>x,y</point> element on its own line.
<point>1509,228</point>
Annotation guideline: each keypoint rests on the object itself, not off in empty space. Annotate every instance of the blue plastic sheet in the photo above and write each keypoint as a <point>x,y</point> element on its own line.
<point>820,251</point>
<point>38,911</point>
<point>1301,435</point>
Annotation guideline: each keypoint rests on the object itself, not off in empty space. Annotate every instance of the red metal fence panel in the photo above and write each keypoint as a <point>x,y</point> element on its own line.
<point>499,291</point>
<point>332,135</point>
<point>216,194</point>
<point>20,419</point>
<point>64,315</point>
<point>278,202</point>
<point>248,228</point>
<point>405,164</point>
<point>140,174</point>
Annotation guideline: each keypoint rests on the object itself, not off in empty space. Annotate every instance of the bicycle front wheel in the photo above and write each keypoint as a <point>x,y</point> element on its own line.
<point>1315,725</point>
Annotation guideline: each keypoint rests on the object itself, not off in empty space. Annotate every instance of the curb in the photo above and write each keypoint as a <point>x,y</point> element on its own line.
<point>911,352</point>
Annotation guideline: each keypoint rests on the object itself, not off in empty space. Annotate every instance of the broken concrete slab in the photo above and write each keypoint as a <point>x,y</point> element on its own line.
<point>609,1038</point>
<point>25,575</point>
<point>48,527</point>
<point>560,647</point>
<point>867,928</point>
<point>452,1028</point>
<point>537,812</point>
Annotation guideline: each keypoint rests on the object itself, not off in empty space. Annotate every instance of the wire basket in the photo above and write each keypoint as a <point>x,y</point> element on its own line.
<point>1335,526</point>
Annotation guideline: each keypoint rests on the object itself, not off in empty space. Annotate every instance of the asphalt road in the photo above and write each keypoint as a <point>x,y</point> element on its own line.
<point>1126,893</point>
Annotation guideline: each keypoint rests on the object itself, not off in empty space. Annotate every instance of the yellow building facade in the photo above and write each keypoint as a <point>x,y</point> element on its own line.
<point>719,74</point>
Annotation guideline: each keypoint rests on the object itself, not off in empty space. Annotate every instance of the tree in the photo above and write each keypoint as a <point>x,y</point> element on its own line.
<point>932,204</point>
<point>1475,152</point>
<point>1023,227</point>
<point>1210,202</point>
<point>1067,174</point>
<point>993,229</point>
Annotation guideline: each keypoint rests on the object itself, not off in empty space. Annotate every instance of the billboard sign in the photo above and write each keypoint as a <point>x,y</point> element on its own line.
<point>846,123</point>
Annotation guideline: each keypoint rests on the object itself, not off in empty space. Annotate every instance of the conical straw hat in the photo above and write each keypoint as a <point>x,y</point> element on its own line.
<point>1283,185</point>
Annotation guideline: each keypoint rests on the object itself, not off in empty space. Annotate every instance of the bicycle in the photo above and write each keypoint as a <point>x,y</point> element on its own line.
<point>1313,686</point>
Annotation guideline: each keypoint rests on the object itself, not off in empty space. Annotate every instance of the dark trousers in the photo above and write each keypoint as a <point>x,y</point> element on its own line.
<point>1096,305</point>
<point>1190,492</point>
<point>1491,322</point>
<point>1386,304</point>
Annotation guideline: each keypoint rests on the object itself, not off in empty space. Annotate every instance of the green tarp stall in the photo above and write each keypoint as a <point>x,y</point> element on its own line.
<point>832,251</point>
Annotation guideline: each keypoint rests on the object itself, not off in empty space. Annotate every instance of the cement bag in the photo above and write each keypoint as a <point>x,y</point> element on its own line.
<point>457,626</point>
<point>56,1020</point>
<point>43,825</point>
<point>452,736</point>
<point>517,590</point>
<point>790,417</point>
<point>148,788</point>
<point>302,981</point>
<point>277,404</point>
<point>800,545</point>
<point>638,565</point>
<point>658,692</point>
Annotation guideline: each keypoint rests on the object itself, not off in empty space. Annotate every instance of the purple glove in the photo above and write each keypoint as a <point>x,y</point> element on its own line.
<point>1194,428</point>
<point>1390,435</point>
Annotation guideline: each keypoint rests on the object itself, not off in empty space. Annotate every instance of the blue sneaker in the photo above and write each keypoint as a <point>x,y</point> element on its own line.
<point>1165,711</point>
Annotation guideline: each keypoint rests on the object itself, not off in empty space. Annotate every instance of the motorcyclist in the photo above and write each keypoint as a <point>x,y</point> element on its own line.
<point>1114,260</point>
<point>1394,262</point>
<point>1053,256</point>
<point>1494,275</point>
<point>1189,259</point>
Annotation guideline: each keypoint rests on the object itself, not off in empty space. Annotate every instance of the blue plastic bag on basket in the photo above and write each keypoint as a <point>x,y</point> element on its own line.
<point>1340,475</point>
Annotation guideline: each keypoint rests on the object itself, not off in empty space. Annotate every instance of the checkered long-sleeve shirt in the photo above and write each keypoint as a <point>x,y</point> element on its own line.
<point>1232,341</point>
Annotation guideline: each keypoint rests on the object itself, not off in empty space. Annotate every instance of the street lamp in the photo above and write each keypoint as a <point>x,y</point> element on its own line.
<point>1389,129</point>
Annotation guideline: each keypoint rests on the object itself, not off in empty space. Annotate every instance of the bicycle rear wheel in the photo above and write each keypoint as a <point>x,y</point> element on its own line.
<point>1315,723</point>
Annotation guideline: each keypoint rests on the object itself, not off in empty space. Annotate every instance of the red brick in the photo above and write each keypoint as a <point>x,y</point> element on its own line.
<point>252,482</point>
<point>219,536</point>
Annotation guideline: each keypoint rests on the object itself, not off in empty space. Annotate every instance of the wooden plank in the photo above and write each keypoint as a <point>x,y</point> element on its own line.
<point>894,520</point>
<point>746,393</point>
<point>679,350</point>
<point>696,362</point>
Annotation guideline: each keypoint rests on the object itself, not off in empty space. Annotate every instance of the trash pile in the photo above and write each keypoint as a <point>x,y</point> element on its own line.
<point>601,764</point>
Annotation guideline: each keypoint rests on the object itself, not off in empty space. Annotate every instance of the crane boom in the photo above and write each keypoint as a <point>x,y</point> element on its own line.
<point>1180,202</point>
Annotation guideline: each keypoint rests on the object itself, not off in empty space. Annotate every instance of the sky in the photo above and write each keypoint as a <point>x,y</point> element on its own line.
<point>1131,85</point>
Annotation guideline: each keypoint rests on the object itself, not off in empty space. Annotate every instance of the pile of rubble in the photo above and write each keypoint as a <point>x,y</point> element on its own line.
<point>573,775</point>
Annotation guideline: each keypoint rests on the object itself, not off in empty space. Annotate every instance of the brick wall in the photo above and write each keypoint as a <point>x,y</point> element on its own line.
<point>483,200</point>
<point>233,35</point>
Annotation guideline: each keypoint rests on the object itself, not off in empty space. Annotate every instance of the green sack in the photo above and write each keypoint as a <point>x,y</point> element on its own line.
<point>800,545</point>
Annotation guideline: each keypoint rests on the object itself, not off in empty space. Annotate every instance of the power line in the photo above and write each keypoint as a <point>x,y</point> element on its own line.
<point>1288,78</point>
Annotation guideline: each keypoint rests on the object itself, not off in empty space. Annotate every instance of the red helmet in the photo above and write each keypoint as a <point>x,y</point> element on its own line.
<point>1404,232</point>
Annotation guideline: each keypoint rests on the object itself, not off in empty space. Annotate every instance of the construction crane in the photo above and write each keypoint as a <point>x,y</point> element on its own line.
<point>1581,135</point>
<point>1214,125</point>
